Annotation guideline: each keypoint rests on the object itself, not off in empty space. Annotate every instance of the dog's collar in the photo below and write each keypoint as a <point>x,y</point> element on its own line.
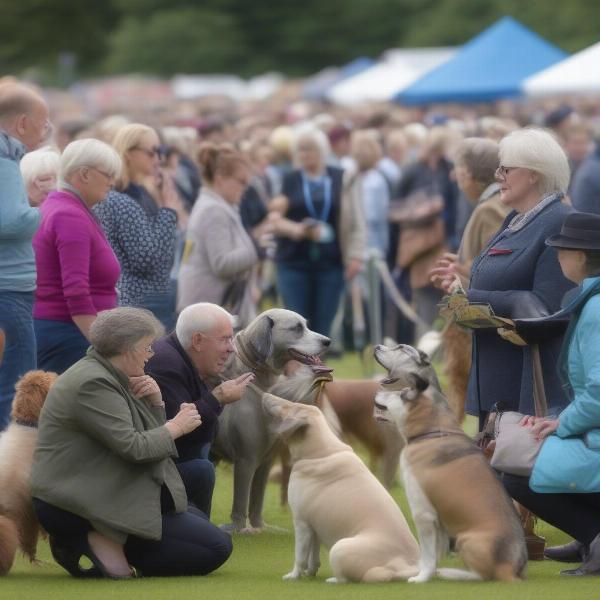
<point>431,434</point>
<point>26,423</point>
<point>244,356</point>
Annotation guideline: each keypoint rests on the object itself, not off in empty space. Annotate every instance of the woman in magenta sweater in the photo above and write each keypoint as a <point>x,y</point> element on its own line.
<point>77,270</point>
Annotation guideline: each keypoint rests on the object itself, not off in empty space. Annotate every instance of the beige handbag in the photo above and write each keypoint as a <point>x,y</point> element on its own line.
<point>516,449</point>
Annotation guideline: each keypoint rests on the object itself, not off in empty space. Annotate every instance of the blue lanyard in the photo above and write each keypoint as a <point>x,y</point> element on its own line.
<point>308,201</point>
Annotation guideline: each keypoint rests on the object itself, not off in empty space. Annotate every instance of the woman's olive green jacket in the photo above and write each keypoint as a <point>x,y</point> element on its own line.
<point>103,454</point>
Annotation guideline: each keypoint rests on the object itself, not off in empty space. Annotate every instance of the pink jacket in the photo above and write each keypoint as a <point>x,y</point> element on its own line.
<point>77,270</point>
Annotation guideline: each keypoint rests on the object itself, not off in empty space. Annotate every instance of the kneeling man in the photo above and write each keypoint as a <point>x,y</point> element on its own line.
<point>186,364</point>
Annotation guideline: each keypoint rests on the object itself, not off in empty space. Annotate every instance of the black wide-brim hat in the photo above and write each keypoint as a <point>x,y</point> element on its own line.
<point>579,231</point>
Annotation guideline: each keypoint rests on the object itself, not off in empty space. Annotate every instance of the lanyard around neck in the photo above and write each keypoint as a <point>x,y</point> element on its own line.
<point>308,201</point>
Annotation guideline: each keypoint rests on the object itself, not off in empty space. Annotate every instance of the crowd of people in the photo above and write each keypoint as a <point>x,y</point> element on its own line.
<point>115,233</point>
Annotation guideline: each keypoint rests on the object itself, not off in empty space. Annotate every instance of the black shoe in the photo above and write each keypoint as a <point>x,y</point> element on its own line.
<point>572,552</point>
<point>591,564</point>
<point>68,553</point>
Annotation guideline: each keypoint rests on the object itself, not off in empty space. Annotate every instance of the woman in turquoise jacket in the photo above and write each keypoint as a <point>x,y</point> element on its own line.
<point>564,487</point>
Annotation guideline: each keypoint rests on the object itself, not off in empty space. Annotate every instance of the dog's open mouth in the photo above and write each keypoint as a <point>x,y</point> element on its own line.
<point>380,413</point>
<point>306,359</point>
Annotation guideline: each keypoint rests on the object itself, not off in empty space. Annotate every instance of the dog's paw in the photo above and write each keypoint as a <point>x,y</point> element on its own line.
<point>291,576</point>
<point>336,580</point>
<point>420,578</point>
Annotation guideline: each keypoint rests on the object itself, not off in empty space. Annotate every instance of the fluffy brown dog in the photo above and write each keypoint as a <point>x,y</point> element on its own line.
<point>19,526</point>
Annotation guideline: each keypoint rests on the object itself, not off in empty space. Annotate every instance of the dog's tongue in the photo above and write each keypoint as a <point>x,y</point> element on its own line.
<point>321,368</point>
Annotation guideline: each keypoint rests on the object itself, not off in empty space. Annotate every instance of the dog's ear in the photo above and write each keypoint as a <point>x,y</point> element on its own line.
<point>291,425</point>
<point>260,339</point>
<point>419,383</point>
<point>424,359</point>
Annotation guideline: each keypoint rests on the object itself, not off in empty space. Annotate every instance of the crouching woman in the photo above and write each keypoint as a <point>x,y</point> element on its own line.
<point>103,480</point>
<point>564,488</point>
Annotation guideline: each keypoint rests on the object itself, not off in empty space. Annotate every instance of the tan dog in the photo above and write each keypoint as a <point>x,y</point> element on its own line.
<point>451,489</point>
<point>337,501</point>
<point>19,526</point>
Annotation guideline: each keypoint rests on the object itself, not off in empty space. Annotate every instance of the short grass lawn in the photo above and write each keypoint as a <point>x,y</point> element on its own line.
<point>259,561</point>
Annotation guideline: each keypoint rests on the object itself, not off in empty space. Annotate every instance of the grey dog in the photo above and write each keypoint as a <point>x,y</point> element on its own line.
<point>245,438</point>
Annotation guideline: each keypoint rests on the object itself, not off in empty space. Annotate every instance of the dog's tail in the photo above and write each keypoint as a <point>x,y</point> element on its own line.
<point>9,541</point>
<point>458,574</point>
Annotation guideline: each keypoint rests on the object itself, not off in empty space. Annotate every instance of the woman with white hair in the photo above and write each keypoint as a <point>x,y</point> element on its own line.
<point>320,236</point>
<point>77,270</point>
<point>520,277</point>
<point>40,173</point>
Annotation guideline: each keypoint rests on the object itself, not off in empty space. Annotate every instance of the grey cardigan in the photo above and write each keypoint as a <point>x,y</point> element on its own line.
<point>218,250</point>
<point>103,454</point>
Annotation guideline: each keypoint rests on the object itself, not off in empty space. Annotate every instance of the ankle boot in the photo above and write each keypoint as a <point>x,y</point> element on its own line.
<point>591,564</point>
<point>572,552</point>
<point>535,543</point>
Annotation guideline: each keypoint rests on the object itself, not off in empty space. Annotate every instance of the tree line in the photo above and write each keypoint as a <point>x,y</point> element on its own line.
<point>57,41</point>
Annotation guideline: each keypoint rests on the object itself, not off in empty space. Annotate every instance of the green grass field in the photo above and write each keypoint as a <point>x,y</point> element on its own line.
<point>259,561</point>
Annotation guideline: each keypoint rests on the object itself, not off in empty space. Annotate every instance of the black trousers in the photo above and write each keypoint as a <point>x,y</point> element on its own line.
<point>575,514</point>
<point>190,543</point>
<point>198,476</point>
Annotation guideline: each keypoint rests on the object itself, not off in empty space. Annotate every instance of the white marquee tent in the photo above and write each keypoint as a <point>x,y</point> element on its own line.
<point>397,69</point>
<point>577,74</point>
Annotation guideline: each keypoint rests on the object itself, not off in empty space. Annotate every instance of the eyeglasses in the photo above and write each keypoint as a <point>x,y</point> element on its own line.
<point>224,340</point>
<point>110,178</point>
<point>147,350</point>
<point>502,171</point>
<point>149,152</point>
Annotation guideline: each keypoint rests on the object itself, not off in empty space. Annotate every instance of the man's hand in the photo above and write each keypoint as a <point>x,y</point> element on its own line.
<point>232,390</point>
<point>144,386</point>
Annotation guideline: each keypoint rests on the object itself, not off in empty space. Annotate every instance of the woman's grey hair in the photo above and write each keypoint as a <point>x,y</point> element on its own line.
<point>539,151</point>
<point>88,153</point>
<point>308,132</point>
<point>200,317</point>
<point>44,161</point>
<point>480,157</point>
<point>118,330</point>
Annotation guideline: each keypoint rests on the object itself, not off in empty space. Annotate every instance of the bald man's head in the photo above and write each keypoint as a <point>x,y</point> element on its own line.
<point>24,114</point>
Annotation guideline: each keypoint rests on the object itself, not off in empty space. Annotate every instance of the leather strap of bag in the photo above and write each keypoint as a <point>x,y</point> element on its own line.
<point>539,392</point>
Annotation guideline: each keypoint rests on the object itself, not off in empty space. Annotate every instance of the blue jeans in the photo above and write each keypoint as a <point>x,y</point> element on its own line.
<point>198,476</point>
<point>162,305</point>
<point>313,293</point>
<point>59,344</point>
<point>19,351</point>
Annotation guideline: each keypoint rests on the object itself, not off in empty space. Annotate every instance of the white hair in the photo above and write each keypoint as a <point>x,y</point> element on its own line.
<point>88,153</point>
<point>44,161</point>
<point>200,317</point>
<point>308,131</point>
<point>539,151</point>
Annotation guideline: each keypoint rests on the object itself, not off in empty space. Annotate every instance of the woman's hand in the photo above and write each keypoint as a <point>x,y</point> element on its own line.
<point>232,390</point>
<point>543,428</point>
<point>185,421</point>
<point>353,268</point>
<point>168,197</point>
<point>144,386</point>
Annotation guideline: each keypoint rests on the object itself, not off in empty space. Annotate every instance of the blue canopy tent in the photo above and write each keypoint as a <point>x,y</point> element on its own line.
<point>317,86</point>
<point>490,66</point>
